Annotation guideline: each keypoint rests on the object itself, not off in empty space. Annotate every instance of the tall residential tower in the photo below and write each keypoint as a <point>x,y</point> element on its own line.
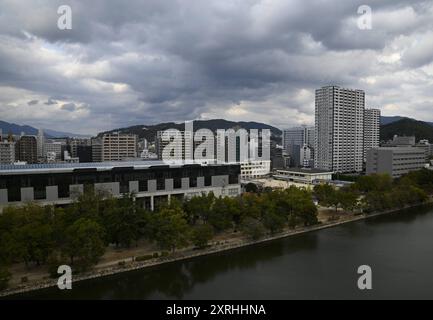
<point>371,129</point>
<point>339,129</point>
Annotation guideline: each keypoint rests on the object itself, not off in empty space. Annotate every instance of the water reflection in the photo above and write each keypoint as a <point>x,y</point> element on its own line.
<point>175,280</point>
<point>319,264</point>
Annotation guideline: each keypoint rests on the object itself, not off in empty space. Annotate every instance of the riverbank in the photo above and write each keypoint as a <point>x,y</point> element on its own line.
<point>220,246</point>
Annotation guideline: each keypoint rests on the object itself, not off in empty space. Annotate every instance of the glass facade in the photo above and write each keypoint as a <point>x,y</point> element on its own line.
<point>88,177</point>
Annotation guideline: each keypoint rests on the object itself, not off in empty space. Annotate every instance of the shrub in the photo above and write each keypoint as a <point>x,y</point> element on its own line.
<point>144,258</point>
<point>5,276</point>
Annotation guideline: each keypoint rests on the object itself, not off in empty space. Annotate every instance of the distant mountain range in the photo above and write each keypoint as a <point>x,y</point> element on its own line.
<point>384,120</point>
<point>17,129</point>
<point>390,125</point>
<point>407,127</point>
<point>149,132</point>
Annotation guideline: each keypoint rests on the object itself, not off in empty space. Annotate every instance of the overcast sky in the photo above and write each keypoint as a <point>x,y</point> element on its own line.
<point>142,62</point>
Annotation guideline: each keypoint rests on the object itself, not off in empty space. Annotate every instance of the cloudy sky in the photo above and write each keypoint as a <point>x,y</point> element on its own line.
<point>141,62</point>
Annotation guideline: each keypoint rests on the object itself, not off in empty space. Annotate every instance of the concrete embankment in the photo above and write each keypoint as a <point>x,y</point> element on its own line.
<point>189,254</point>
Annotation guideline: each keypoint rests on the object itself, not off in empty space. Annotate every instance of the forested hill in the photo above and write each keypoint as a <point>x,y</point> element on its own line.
<point>149,131</point>
<point>407,127</point>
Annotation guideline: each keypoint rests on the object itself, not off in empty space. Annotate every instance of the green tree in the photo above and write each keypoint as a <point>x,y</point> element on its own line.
<point>84,242</point>
<point>325,194</point>
<point>5,276</point>
<point>220,215</point>
<point>374,182</point>
<point>201,235</point>
<point>348,199</point>
<point>307,213</point>
<point>251,187</point>
<point>199,207</point>
<point>273,221</point>
<point>124,222</point>
<point>250,205</point>
<point>253,228</point>
<point>31,233</point>
<point>169,227</point>
<point>91,204</point>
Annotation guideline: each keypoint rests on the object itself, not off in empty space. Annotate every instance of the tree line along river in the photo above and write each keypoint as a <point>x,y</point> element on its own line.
<point>316,265</point>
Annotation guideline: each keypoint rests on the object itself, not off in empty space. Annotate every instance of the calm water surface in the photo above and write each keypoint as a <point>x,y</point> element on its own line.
<point>317,265</point>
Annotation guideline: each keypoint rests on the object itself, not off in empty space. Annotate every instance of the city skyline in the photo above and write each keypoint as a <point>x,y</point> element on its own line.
<point>255,60</point>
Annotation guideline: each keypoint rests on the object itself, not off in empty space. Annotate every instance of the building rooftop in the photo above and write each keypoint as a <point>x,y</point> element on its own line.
<point>402,148</point>
<point>304,170</point>
<point>98,166</point>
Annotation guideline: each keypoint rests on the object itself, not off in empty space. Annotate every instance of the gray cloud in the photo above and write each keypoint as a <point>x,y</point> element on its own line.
<point>32,102</point>
<point>50,102</point>
<point>152,61</point>
<point>69,106</point>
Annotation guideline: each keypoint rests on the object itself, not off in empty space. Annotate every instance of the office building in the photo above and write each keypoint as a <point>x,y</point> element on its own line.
<point>371,129</point>
<point>26,149</point>
<point>96,149</point>
<point>40,144</point>
<point>117,146</point>
<point>53,151</point>
<point>297,136</point>
<point>395,161</point>
<point>7,152</point>
<point>84,153</point>
<point>298,143</point>
<point>339,129</point>
<point>152,182</point>
<point>75,142</point>
<point>428,148</point>
<point>401,141</point>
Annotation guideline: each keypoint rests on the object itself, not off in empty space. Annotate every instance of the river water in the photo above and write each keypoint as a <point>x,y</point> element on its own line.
<point>316,265</point>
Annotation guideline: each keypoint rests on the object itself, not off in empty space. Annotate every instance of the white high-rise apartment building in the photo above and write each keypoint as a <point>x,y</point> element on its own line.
<point>41,143</point>
<point>7,152</point>
<point>339,129</point>
<point>371,129</point>
<point>118,147</point>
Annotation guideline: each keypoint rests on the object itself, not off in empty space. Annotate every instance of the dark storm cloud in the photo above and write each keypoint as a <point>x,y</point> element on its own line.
<point>32,102</point>
<point>133,62</point>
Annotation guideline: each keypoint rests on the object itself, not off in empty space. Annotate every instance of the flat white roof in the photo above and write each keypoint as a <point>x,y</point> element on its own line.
<point>305,171</point>
<point>99,166</point>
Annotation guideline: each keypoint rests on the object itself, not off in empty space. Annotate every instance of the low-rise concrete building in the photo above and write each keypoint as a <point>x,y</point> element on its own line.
<point>396,161</point>
<point>304,176</point>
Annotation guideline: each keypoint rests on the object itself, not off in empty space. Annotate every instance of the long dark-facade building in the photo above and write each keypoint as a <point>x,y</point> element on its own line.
<point>152,182</point>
